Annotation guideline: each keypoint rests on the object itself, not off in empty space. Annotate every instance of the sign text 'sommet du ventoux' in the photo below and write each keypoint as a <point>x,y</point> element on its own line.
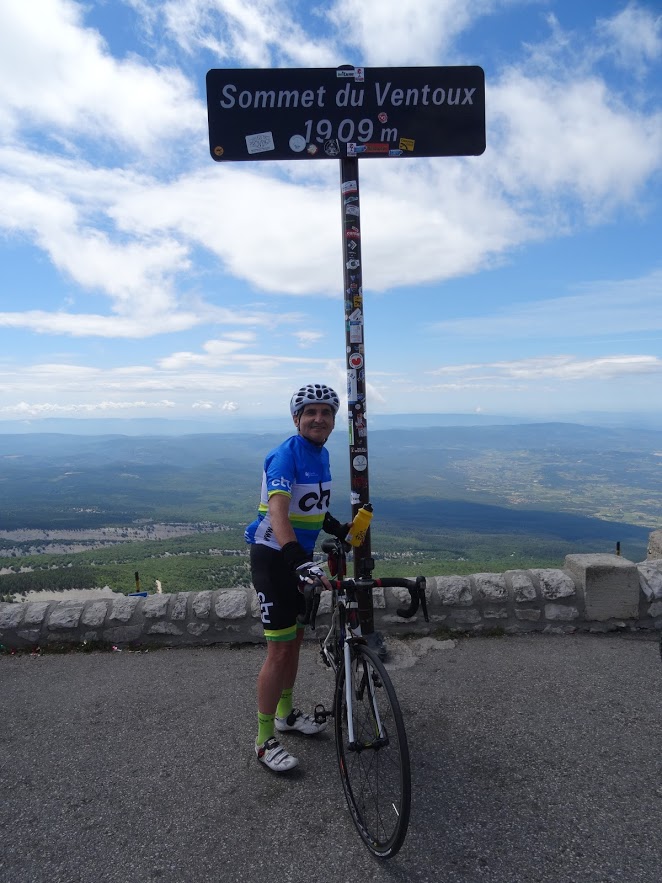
<point>329,113</point>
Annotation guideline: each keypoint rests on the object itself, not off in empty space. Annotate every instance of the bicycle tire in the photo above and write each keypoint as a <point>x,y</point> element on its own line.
<point>376,775</point>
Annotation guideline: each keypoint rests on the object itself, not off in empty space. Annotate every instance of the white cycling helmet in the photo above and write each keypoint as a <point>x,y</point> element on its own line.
<point>314,394</point>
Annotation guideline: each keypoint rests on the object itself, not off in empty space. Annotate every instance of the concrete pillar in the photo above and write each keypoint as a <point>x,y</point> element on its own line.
<point>610,584</point>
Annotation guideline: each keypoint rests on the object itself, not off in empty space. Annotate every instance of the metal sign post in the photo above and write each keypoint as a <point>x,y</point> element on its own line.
<point>355,352</point>
<point>345,113</point>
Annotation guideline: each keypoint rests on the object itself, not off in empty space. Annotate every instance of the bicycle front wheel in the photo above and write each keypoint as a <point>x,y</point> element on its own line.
<point>374,765</point>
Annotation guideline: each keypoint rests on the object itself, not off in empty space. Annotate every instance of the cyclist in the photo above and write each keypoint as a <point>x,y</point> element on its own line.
<point>294,504</point>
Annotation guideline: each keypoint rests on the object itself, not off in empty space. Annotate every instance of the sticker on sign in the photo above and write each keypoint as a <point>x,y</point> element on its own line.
<point>260,142</point>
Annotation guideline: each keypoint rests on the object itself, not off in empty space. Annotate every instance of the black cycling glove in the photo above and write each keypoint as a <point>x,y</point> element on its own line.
<point>334,527</point>
<point>301,563</point>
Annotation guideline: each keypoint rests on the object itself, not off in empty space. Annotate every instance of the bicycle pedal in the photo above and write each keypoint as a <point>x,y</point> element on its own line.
<point>321,714</point>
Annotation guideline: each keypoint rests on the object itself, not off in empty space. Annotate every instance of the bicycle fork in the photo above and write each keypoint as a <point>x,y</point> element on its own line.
<point>354,691</point>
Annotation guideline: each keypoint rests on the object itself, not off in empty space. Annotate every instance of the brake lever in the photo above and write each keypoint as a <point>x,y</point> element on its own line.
<point>311,594</point>
<point>315,606</point>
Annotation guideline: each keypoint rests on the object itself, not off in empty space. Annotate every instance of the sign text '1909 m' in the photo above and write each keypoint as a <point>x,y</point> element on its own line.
<point>365,130</point>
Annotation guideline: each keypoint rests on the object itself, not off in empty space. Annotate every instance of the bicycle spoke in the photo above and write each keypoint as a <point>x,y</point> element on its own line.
<point>375,769</point>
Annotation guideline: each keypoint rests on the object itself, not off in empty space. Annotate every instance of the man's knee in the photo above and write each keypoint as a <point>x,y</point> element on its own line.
<point>281,651</point>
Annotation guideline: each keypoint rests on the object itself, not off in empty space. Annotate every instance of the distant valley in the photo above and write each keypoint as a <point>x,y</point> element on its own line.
<point>447,499</point>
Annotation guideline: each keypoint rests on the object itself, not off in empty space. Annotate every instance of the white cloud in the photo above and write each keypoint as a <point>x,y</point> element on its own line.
<point>216,352</point>
<point>560,368</point>
<point>88,325</point>
<point>279,235</point>
<point>600,308</point>
<point>226,353</point>
<point>307,338</point>
<point>51,409</point>
<point>405,32</point>
<point>565,138</point>
<point>633,37</point>
<point>249,34</point>
<point>58,76</point>
<point>219,379</point>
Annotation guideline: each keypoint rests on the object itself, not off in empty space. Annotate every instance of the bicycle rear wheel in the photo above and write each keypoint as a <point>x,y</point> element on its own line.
<point>374,768</point>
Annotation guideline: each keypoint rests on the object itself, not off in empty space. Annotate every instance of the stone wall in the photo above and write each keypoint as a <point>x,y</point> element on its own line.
<point>655,544</point>
<point>591,592</point>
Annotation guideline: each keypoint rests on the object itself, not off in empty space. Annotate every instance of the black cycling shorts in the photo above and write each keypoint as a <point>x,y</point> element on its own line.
<point>277,591</point>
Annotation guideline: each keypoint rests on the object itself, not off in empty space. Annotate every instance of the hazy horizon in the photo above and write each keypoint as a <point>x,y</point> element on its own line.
<point>240,423</point>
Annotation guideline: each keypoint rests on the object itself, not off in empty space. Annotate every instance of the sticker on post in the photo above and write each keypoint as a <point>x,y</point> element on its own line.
<point>352,387</point>
<point>261,142</point>
<point>360,462</point>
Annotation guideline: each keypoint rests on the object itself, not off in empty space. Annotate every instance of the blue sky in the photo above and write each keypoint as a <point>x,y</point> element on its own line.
<point>141,279</point>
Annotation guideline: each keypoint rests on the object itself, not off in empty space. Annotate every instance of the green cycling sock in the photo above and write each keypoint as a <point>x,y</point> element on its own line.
<point>285,703</point>
<point>265,727</point>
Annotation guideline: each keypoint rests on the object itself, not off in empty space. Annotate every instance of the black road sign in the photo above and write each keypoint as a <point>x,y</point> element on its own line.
<point>330,113</point>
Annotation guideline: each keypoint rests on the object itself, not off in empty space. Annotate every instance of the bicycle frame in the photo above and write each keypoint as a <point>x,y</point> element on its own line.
<point>371,740</point>
<point>344,618</point>
<point>345,626</point>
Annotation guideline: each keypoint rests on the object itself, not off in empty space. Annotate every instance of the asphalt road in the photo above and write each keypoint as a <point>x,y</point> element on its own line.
<point>534,759</point>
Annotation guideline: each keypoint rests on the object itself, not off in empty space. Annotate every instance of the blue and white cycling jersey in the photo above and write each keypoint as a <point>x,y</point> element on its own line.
<point>300,470</point>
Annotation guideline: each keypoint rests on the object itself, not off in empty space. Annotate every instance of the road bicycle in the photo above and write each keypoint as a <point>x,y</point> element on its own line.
<point>371,742</point>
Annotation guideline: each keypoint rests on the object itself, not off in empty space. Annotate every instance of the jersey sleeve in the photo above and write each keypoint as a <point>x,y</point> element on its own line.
<point>280,472</point>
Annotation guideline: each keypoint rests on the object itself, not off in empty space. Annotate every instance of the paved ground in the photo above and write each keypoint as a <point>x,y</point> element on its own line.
<point>535,760</point>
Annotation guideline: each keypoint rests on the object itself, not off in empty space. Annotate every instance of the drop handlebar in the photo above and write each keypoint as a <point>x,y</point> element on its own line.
<point>415,587</point>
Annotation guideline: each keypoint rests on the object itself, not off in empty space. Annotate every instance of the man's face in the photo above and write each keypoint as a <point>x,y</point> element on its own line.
<point>315,423</point>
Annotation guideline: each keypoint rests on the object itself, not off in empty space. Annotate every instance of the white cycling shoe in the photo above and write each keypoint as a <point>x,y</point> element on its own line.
<point>299,722</point>
<point>273,755</point>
